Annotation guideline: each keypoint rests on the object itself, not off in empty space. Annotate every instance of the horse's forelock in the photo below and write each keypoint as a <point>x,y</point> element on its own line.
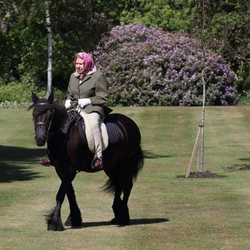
<point>42,107</point>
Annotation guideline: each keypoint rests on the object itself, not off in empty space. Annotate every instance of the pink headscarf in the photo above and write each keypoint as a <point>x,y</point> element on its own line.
<point>88,60</point>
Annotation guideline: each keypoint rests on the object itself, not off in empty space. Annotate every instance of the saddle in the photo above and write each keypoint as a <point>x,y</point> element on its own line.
<point>111,133</point>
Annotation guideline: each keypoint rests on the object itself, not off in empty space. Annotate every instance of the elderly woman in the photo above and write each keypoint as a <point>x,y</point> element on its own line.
<point>89,86</point>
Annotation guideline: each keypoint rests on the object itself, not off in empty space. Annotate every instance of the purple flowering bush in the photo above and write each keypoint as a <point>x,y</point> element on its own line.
<point>148,66</point>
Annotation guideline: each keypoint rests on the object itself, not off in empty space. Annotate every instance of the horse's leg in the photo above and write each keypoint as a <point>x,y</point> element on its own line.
<point>124,212</point>
<point>74,219</point>
<point>54,221</point>
<point>116,205</point>
<point>120,206</point>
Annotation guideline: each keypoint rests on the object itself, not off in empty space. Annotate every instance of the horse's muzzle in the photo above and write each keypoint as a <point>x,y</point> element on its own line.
<point>40,141</point>
<point>40,135</point>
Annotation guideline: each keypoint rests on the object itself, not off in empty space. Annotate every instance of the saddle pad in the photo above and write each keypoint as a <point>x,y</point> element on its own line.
<point>114,133</point>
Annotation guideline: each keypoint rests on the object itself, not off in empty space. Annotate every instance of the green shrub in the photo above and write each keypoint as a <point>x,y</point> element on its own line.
<point>17,94</point>
<point>169,15</point>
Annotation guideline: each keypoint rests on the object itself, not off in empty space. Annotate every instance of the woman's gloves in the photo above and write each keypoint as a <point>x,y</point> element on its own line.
<point>81,102</point>
<point>67,104</point>
<point>84,102</point>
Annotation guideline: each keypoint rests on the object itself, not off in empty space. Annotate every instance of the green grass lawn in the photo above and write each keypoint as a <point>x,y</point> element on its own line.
<point>167,210</point>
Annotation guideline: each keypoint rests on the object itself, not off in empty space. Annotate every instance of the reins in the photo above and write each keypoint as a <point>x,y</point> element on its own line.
<point>71,119</point>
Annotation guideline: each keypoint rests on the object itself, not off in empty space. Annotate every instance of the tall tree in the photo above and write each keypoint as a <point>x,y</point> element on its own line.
<point>226,31</point>
<point>49,73</point>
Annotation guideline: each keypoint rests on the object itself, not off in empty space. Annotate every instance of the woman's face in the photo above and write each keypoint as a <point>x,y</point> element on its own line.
<point>80,66</point>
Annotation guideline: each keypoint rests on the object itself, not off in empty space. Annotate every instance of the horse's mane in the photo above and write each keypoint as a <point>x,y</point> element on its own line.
<point>58,106</point>
<point>43,105</point>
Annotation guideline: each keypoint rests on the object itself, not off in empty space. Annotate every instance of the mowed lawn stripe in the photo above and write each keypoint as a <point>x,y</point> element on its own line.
<point>167,210</point>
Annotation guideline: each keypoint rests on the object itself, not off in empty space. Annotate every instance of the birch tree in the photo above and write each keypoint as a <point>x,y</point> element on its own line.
<point>49,70</point>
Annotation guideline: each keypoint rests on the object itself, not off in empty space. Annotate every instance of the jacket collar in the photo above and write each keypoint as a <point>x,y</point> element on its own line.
<point>79,76</point>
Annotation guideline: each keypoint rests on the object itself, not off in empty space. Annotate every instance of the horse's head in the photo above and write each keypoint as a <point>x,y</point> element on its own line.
<point>43,112</point>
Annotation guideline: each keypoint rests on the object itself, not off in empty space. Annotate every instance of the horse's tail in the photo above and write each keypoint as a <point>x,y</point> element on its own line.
<point>134,167</point>
<point>138,164</point>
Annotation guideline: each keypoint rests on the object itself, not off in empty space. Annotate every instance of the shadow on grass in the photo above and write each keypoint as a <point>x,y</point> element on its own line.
<point>150,155</point>
<point>202,175</point>
<point>132,222</point>
<point>240,167</point>
<point>13,160</point>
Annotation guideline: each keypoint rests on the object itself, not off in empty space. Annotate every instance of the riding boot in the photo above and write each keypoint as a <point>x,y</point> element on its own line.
<point>45,162</point>
<point>97,163</point>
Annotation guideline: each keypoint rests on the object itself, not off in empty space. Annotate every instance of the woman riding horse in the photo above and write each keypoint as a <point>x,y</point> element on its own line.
<point>89,88</point>
<point>68,148</point>
<point>69,153</point>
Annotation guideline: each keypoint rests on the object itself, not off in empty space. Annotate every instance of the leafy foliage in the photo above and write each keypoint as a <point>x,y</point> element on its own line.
<point>23,37</point>
<point>169,15</point>
<point>147,66</point>
<point>19,93</point>
<point>80,24</point>
<point>226,26</point>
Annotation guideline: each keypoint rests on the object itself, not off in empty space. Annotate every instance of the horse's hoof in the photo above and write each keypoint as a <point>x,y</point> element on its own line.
<point>55,228</point>
<point>69,224</point>
<point>73,223</point>
<point>114,222</point>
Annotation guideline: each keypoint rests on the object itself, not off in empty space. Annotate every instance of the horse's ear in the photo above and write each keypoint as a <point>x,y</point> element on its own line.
<point>51,97</point>
<point>34,97</point>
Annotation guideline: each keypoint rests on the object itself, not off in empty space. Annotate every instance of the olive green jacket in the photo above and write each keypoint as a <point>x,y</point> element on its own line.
<point>93,86</point>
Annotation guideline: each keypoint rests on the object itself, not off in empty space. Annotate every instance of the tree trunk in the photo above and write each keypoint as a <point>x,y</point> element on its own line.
<point>49,71</point>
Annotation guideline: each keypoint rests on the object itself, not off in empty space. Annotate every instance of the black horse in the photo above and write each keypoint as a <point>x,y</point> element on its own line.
<point>69,153</point>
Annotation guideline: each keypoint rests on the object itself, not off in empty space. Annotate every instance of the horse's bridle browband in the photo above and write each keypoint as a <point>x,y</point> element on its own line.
<point>43,123</point>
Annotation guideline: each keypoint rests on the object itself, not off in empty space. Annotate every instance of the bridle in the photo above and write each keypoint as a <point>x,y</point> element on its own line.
<point>43,123</point>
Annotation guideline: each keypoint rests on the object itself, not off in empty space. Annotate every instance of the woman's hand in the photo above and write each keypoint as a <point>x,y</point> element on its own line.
<point>67,104</point>
<point>84,102</point>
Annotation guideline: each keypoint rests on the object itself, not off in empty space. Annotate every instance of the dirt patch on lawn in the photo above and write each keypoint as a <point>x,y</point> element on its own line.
<point>206,174</point>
